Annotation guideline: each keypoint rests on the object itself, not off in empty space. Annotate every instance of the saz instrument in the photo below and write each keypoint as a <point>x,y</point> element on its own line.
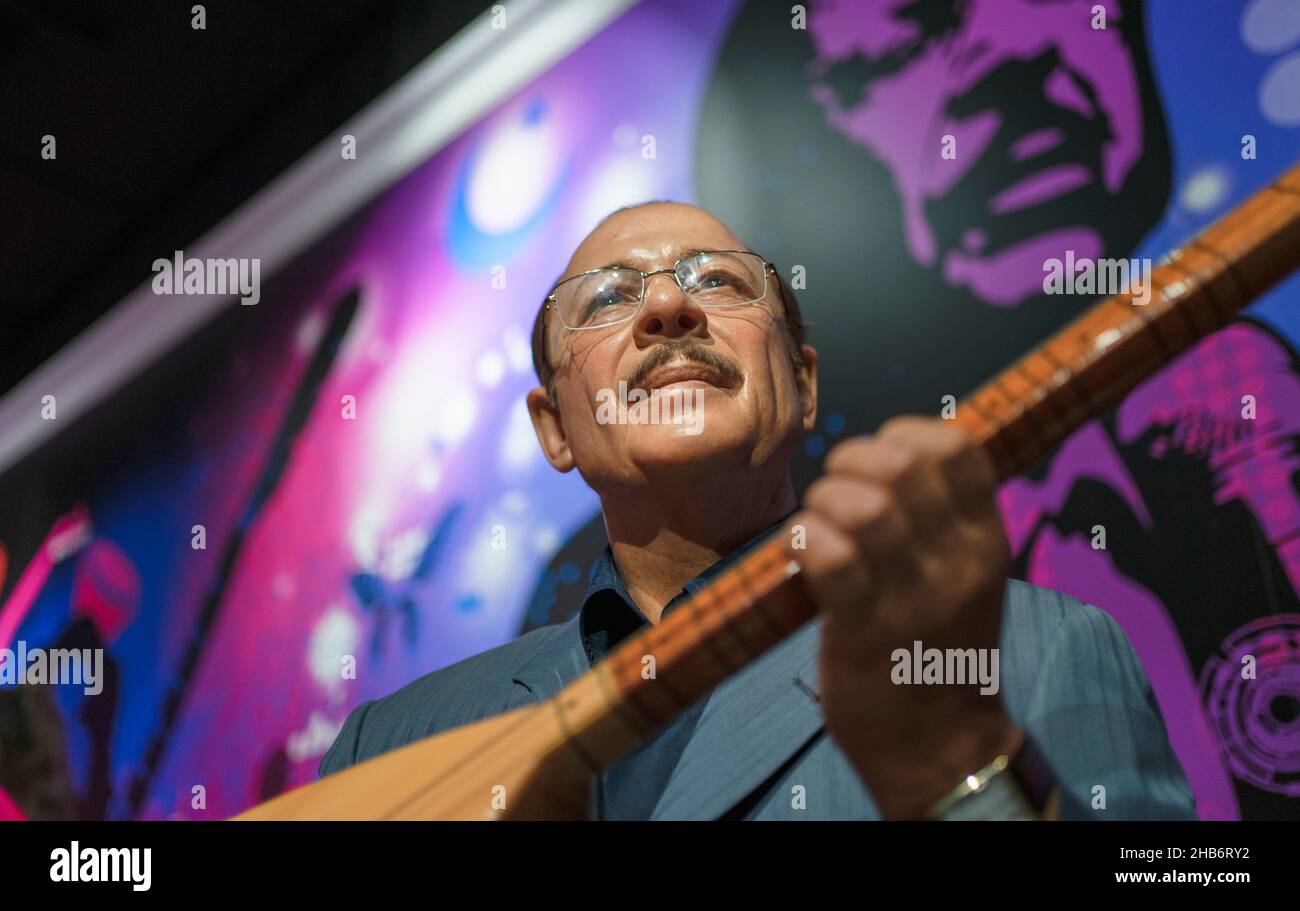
<point>539,762</point>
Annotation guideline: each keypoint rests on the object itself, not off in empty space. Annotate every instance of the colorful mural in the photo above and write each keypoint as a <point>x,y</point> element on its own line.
<point>354,456</point>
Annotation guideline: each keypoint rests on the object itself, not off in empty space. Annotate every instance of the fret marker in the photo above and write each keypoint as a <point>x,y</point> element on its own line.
<point>1107,338</point>
<point>1174,290</point>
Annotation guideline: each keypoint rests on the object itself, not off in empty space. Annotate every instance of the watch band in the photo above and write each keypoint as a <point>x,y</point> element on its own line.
<point>1016,786</point>
<point>999,799</point>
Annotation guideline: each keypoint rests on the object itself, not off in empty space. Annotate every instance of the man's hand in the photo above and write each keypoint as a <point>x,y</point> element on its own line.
<point>904,543</point>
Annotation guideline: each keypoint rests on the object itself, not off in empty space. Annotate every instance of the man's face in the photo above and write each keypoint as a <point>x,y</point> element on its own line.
<point>1042,109</point>
<point>732,362</point>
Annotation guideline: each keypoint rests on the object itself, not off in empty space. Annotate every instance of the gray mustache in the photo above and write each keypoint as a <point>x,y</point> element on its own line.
<point>684,350</point>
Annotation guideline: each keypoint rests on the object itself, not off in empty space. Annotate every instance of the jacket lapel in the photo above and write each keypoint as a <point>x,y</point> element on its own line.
<point>557,663</point>
<point>751,724</point>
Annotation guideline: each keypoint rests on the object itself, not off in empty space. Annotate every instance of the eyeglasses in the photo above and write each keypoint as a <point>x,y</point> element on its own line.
<point>606,297</point>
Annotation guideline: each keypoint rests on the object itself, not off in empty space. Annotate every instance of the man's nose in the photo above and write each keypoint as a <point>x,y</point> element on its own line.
<point>667,312</point>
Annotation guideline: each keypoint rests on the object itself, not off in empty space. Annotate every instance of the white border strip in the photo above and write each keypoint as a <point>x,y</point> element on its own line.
<point>460,82</point>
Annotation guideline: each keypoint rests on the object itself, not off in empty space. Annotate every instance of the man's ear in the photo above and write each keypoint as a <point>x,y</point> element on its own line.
<point>806,379</point>
<point>549,428</point>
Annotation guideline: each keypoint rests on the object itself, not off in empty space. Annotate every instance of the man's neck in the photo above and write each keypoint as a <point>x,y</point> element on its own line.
<point>663,539</point>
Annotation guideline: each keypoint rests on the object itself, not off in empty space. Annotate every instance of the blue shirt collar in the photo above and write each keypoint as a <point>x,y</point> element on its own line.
<point>609,615</point>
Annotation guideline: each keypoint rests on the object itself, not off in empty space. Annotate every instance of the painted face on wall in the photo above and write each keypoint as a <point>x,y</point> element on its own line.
<point>1009,126</point>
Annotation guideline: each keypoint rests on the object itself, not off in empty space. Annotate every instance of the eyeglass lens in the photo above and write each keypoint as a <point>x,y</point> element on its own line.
<point>613,295</point>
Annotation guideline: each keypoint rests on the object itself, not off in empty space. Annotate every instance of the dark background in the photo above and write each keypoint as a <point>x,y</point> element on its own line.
<point>162,130</point>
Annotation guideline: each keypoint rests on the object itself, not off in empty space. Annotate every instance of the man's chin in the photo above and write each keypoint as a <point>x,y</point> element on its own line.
<point>696,446</point>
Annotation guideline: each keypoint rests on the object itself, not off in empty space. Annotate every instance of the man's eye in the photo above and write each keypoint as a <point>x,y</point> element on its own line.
<point>724,278</point>
<point>608,298</point>
<point>600,301</point>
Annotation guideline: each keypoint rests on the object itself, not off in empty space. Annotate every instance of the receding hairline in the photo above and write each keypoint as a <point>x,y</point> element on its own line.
<point>682,251</point>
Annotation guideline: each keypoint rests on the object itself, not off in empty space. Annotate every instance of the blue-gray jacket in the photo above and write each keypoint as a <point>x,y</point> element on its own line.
<point>1069,678</point>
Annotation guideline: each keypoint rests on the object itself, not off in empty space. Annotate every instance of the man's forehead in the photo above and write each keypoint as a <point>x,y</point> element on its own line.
<point>652,236</point>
